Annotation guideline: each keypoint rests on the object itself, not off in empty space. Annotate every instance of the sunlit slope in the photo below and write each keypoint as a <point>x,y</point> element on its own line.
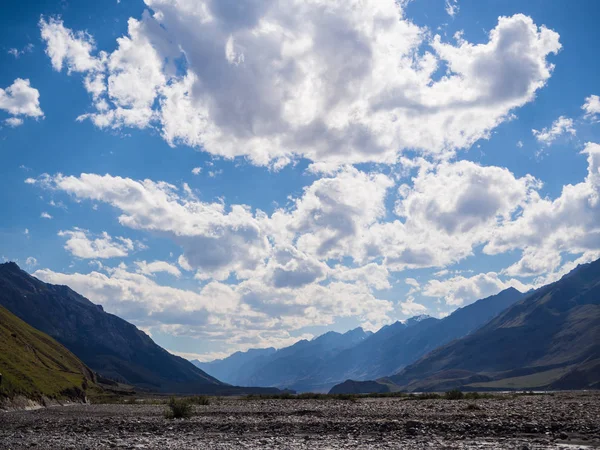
<point>33,364</point>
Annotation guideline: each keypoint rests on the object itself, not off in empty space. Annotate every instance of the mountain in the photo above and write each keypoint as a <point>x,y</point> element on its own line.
<point>234,368</point>
<point>106,343</point>
<point>33,364</point>
<point>290,367</point>
<point>548,340</point>
<point>399,344</point>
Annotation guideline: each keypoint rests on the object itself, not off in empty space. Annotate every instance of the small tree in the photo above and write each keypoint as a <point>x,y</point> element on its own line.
<point>178,409</point>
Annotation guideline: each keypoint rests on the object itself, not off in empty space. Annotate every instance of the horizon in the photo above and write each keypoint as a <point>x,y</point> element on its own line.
<point>232,177</point>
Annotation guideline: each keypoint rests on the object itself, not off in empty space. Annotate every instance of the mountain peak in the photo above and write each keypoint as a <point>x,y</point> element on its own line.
<point>10,266</point>
<point>416,319</point>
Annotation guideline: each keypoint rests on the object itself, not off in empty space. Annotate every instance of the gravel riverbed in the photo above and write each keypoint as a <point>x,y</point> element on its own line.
<point>561,420</point>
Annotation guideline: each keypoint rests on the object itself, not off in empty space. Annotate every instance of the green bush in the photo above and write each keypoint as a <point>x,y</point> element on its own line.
<point>454,394</point>
<point>178,409</point>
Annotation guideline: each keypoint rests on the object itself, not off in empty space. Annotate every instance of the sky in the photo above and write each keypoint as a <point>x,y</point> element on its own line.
<point>234,174</point>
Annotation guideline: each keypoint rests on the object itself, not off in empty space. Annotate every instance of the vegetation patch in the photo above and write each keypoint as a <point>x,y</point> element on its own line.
<point>179,408</point>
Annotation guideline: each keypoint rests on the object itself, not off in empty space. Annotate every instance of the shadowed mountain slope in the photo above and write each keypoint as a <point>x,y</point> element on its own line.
<point>106,343</point>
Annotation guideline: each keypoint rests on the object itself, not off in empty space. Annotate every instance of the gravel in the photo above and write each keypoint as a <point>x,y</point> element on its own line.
<point>561,420</point>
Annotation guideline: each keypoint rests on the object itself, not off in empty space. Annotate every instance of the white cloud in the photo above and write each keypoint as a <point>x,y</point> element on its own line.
<point>591,106</point>
<point>354,81</point>
<point>449,209</point>
<point>215,240</point>
<point>411,308</point>
<point>156,267</point>
<point>240,316</point>
<point>45,215</point>
<point>520,144</point>
<point>31,262</point>
<point>459,290</point>
<point>67,48</point>
<point>196,170</point>
<point>548,228</point>
<point>14,122</point>
<point>18,53</point>
<point>562,125</point>
<point>20,99</point>
<point>452,7</point>
<point>82,245</point>
<point>374,275</point>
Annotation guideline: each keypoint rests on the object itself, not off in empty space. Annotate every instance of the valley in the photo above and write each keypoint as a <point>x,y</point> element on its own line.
<point>552,421</point>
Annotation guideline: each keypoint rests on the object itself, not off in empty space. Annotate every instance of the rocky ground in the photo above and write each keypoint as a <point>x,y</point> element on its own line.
<point>562,420</point>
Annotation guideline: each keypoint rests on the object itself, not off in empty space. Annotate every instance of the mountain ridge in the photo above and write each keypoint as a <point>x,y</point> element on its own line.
<point>372,356</point>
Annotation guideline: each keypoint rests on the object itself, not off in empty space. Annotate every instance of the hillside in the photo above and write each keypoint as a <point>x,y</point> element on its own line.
<point>550,339</point>
<point>33,364</point>
<point>106,343</point>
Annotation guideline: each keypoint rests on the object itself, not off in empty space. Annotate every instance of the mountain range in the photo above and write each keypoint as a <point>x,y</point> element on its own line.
<point>550,339</point>
<point>53,341</point>
<point>319,364</point>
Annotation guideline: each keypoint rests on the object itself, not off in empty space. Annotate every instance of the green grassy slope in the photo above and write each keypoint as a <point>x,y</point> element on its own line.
<point>34,365</point>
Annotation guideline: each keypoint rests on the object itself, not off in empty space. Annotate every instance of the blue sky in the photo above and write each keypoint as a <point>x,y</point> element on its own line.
<point>356,163</point>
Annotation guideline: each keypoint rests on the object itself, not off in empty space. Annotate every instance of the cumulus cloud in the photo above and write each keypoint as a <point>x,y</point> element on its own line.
<point>249,314</point>
<point>20,100</point>
<point>412,308</point>
<point>448,210</point>
<point>45,215</point>
<point>157,266</point>
<point>67,48</point>
<point>591,106</point>
<point>460,290</point>
<point>82,244</point>
<point>215,240</point>
<point>562,125</point>
<point>548,228</point>
<point>354,81</point>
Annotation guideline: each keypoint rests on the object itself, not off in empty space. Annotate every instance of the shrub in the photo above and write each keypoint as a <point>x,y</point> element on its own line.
<point>454,394</point>
<point>202,400</point>
<point>178,409</point>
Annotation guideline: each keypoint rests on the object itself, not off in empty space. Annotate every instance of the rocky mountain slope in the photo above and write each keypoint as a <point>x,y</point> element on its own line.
<point>106,343</point>
<point>33,364</point>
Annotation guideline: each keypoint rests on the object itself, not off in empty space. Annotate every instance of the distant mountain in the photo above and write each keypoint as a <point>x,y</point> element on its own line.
<point>399,344</point>
<point>106,343</point>
<point>548,340</point>
<point>290,367</point>
<point>33,364</point>
<point>319,364</point>
<point>235,368</point>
